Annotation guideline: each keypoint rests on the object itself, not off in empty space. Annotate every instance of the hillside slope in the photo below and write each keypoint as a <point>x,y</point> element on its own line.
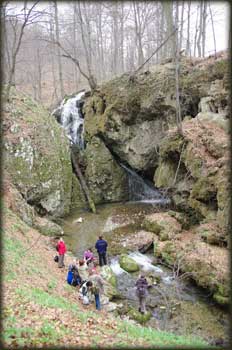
<point>41,309</point>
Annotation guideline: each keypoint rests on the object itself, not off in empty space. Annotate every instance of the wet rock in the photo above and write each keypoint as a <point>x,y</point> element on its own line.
<point>128,264</point>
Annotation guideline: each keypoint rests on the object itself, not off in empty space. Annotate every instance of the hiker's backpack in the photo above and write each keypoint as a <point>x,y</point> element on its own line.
<point>142,291</point>
<point>70,277</point>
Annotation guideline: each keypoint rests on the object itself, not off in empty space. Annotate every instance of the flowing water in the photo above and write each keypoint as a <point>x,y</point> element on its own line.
<point>176,306</point>
<point>71,118</point>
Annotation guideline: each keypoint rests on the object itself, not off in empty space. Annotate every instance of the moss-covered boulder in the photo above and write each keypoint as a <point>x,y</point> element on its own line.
<point>162,224</point>
<point>36,155</point>
<point>107,181</point>
<point>137,316</point>
<point>128,264</point>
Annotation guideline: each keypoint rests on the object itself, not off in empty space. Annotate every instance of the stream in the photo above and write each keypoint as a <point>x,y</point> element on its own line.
<point>177,306</point>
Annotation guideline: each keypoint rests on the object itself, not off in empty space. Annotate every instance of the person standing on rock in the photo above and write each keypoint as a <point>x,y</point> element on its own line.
<point>61,249</point>
<point>101,246</point>
<point>97,288</point>
<point>142,292</point>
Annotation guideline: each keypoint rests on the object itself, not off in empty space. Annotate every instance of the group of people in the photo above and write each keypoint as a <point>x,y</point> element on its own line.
<point>85,275</point>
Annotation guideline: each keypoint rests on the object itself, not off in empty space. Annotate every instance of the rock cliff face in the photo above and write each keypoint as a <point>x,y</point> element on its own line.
<point>197,164</point>
<point>36,155</point>
<point>107,181</point>
<point>132,115</point>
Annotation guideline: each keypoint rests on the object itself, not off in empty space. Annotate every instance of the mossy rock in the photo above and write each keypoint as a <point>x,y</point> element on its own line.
<point>137,316</point>
<point>108,275</point>
<point>128,264</point>
<point>221,300</point>
<point>37,156</point>
<point>151,226</point>
<point>164,174</point>
<point>106,180</point>
<point>47,227</point>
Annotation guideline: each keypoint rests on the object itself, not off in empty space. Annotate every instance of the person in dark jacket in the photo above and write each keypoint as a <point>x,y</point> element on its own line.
<point>142,292</point>
<point>61,248</point>
<point>101,246</point>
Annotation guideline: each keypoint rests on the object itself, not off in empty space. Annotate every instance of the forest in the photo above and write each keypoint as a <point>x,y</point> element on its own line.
<point>56,48</point>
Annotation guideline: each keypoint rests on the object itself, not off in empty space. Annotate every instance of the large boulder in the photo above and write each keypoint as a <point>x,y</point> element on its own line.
<point>128,264</point>
<point>162,224</point>
<point>36,155</point>
<point>142,241</point>
<point>107,181</point>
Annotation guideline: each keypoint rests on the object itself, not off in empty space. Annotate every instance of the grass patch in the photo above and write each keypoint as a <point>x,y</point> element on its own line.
<point>158,338</point>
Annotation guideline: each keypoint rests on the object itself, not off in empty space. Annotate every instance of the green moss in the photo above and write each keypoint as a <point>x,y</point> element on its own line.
<point>151,226</point>
<point>141,318</point>
<point>128,264</point>
<point>221,300</point>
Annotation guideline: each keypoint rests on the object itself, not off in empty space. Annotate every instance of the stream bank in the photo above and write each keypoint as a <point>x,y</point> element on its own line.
<point>174,304</point>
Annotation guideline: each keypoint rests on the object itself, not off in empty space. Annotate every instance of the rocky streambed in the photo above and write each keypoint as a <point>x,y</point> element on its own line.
<point>174,304</point>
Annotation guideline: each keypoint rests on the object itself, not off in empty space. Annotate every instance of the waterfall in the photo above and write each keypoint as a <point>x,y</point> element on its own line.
<point>141,190</point>
<point>70,116</point>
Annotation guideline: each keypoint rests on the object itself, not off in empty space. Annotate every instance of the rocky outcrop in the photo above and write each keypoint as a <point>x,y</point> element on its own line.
<point>199,180</point>
<point>15,202</point>
<point>204,263</point>
<point>132,114</point>
<point>36,155</point>
<point>106,180</point>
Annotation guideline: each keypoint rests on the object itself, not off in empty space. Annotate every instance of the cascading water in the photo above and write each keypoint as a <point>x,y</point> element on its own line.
<point>69,115</point>
<point>141,190</point>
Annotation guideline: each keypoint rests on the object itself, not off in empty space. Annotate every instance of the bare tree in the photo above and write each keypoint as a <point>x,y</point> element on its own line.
<point>57,38</point>
<point>18,24</point>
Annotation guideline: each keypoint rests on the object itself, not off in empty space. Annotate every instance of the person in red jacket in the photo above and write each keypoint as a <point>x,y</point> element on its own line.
<point>61,248</point>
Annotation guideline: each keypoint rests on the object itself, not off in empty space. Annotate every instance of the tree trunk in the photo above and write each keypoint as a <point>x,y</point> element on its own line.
<point>82,181</point>
<point>188,47</point>
<point>57,31</point>
<point>177,71</point>
<point>214,38</point>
